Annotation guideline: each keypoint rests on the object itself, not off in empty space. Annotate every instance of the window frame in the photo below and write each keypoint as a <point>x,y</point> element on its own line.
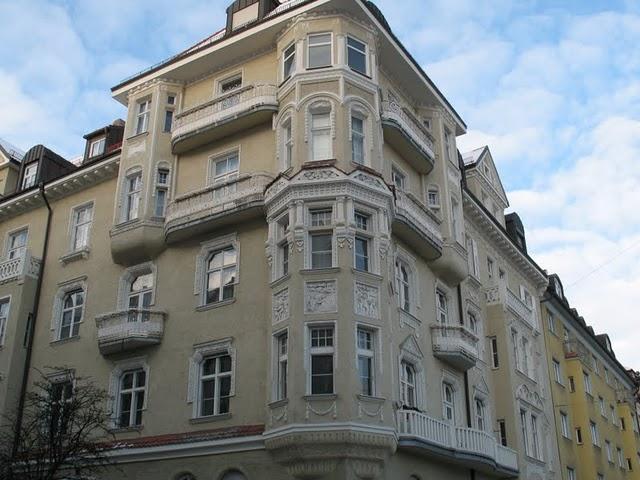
<point>317,45</point>
<point>217,377</point>
<point>101,143</point>
<point>320,351</point>
<point>143,115</point>
<point>286,57</point>
<point>364,53</point>
<point>495,355</point>
<point>595,434</point>
<point>30,175</point>
<point>160,208</point>
<point>281,365</point>
<point>398,178</point>
<point>4,317</point>
<point>360,136</point>
<point>324,229</point>
<point>134,391</point>
<point>565,427</point>
<point>21,249</point>
<point>76,224</point>
<point>557,371</point>
<point>442,307</point>
<point>367,352</point>
<point>480,409</point>
<point>408,389</point>
<point>433,190</point>
<point>318,132</point>
<point>224,181</point>
<point>448,406</point>
<point>133,196</point>
<point>222,271</point>
<point>74,324</point>
<point>229,79</point>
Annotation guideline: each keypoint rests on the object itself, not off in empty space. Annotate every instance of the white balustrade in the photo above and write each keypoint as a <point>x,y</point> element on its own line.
<point>224,106</point>
<point>418,425</point>
<point>497,294</point>
<point>130,327</point>
<point>15,268</point>
<point>414,211</point>
<point>393,111</point>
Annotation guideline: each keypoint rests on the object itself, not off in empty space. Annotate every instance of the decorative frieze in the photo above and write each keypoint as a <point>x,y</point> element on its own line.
<point>366,300</point>
<point>280,306</point>
<point>320,297</point>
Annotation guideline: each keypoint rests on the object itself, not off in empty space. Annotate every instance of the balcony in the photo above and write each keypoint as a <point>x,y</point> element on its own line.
<point>576,349</point>
<point>129,329</point>
<point>216,205</point>
<point>455,345</point>
<point>417,225</point>
<point>472,448</point>
<point>225,115</point>
<point>406,134</point>
<point>500,294</point>
<point>452,265</point>
<point>19,267</point>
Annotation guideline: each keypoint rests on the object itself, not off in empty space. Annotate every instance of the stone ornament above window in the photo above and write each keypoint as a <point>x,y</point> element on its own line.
<point>320,297</point>
<point>366,300</point>
<point>280,306</point>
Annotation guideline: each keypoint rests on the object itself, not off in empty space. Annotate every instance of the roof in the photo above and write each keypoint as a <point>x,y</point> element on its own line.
<point>11,150</point>
<point>472,157</point>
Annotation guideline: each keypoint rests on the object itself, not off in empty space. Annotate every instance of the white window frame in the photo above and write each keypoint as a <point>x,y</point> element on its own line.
<point>448,406</point>
<point>535,437</point>
<point>322,228</point>
<point>285,58</point>
<point>595,434</point>
<point>202,260</point>
<point>162,187</point>
<point>442,307</point>
<point>30,175</point>
<point>72,310</point>
<point>586,378</point>
<point>318,132</point>
<point>365,229</point>
<point>135,390</point>
<point>12,251</point>
<point>404,286</point>
<point>609,451</point>
<point>320,351</point>
<point>406,386</point>
<point>433,197</point>
<point>565,427</point>
<point>398,178</point>
<point>229,79</point>
<point>551,321</point>
<point>365,54</point>
<point>76,225</point>
<point>557,371</point>
<point>472,256</point>
<point>4,317</point>
<point>217,377</point>
<point>97,147</point>
<point>480,409</point>
<point>369,354</point>
<point>317,45</point>
<point>132,205</point>
<point>283,248</point>
<point>358,136</point>
<point>571,474</point>
<point>143,114</point>
<point>224,180</point>
<point>281,365</point>
<point>287,143</point>
<point>620,457</point>
<point>525,430</point>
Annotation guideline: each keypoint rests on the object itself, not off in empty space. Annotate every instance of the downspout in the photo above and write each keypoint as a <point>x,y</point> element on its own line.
<point>31,326</point>
<point>467,403</point>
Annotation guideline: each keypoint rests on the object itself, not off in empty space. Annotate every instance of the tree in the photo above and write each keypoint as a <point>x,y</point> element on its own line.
<point>62,431</point>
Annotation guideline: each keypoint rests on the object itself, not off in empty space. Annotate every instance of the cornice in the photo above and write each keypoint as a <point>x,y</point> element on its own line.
<point>76,181</point>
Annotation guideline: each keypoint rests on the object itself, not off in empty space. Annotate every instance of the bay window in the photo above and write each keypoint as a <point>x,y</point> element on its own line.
<point>357,55</point>
<point>321,353</point>
<point>319,50</point>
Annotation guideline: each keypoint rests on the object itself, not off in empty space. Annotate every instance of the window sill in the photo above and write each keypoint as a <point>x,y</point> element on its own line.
<point>210,418</point>
<point>137,135</point>
<point>81,254</point>
<point>63,341</point>
<point>365,75</point>
<point>536,460</point>
<point>279,281</point>
<point>278,403</point>
<point>368,275</point>
<point>211,306</point>
<point>370,398</point>
<point>319,68</point>
<point>320,397</point>
<point>319,271</point>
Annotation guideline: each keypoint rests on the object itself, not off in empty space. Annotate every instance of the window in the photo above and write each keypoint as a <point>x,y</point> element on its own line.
<point>587,383</point>
<point>535,438</point>
<point>357,139</point>
<point>473,322</point>
<point>603,410</point>
<point>490,267</point>
<point>321,135</point>
<point>4,317</point>
<point>321,240</point>
<point>620,458</point>
<point>282,349</point>
<point>171,99</point>
<point>480,414</point>
<point>357,55</point>
<point>557,372</point>
<point>17,244</point>
<point>131,398</point>
<point>629,464</point>
<point>595,436</point>
<point>72,309</point>
<point>565,334</point>
<point>472,257</point>
<point>97,147</point>
<point>525,431</point>
<point>225,169</point>
<point>168,120</point>
<point>398,179</point>
<point>525,355</point>
<point>289,61</point>
<point>30,173</point>
<point>61,396</point>
<point>321,352</point>
<point>162,191</point>
<point>606,375</point>
<point>319,54</point>
<point>607,447</point>
<point>564,425</point>
<point>442,308</point>
<point>571,474</point>
<point>433,197</point>
<point>287,144</point>
<point>600,476</point>
<point>455,219</point>
<point>552,322</point>
<point>526,297</point>
<point>366,362</point>
<point>403,285</point>
<point>613,414</point>
<point>362,242</point>
<point>502,431</point>
<point>215,385</point>
<point>140,297</point>
<point>221,274</point>
<point>142,116</point>
<point>495,361</point>
<point>514,342</point>
<point>623,425</point>
<point>229,84</point>
<point>572,385</point>
<point>407,384</point>
<point>447,144</point>
<point>82,218</point>
<point>579,435</point>
<point>596,366</point>
<point>448,403</point>
<point>133,191</point>
<point>283,246</point>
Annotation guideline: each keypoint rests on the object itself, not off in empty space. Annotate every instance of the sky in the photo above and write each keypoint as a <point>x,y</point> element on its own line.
<point>552,87</point>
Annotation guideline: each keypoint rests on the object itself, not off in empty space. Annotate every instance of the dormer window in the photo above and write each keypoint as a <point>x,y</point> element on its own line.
<point>97,147</point>
<point>30,173</point>
<point>319,54</point>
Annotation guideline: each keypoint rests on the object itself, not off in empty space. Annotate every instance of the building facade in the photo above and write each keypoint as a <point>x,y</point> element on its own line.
<point>593,395</point>
<point>280,267</point>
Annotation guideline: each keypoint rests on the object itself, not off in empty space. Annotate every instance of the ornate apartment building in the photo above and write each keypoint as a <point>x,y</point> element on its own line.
<point>593,395</point>
<point>280,267</point>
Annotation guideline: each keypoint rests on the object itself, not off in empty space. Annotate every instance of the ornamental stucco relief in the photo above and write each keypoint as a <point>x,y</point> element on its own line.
<point>366,300</point>
<point>280,306</point>
<point>320,297</point>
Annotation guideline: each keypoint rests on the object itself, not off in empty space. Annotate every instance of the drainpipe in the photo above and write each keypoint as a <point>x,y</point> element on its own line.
<point>31,329</point>
<point>467,403</point>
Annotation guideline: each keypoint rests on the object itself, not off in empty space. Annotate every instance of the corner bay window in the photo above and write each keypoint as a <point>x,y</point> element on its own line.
<point>215,385</point>
<point>321,351</point>
<point>357,55</point>
<point>221,275</point>
<point>365,361</point>
<point>162,189</point>
<point>131,398</point>
<point>319,50</point>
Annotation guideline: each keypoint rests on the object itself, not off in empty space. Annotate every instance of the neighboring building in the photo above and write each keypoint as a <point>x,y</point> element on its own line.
<point>10,158</point>
<point>502,295</point>
<point>593,395</point>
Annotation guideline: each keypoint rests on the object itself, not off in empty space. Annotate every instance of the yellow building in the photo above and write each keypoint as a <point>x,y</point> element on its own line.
<point>593,395</point>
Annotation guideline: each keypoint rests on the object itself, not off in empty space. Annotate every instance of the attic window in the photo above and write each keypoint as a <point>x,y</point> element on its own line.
<point>30,172</point>
<point>97,147</point>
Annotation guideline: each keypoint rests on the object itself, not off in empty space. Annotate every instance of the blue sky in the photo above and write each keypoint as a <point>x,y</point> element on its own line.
<point>553,87</point>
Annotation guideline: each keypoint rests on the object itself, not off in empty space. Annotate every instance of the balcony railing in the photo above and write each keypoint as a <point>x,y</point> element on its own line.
<point>129,329</point>
<point>203,118</point>
<point>19,267</point>
<point>455,345</point>
<point>418,220</point>
<point>216,203</point>
<point>576,349</point>
<point>395,115</point>
<point>458,440</point>
<point>501,294</point>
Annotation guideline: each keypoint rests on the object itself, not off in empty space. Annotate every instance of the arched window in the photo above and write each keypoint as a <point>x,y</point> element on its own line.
<point>221,275</point>
<point>287,144</point>
<point>403,285</point>
<point>233,475</point>
<point>140,297</point>
<point>72,309</point>
<point>131,397</point>
<point>132,194</point>
<point>320,131</point>
<point>448,402</point>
